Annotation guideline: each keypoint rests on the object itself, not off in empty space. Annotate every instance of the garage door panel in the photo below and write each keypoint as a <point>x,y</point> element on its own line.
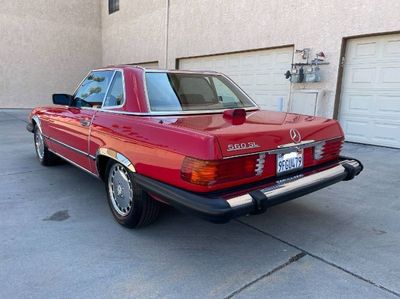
<point>266,61</point>
<point>392,48</point>
<point>362,75</point>
<point>248,62</point>
<point>390,74</point>
<point>283,58</point>
<point>356,130</point>
<point>258,73</point>
<point>359,103</point>
<point>262,80</point>
<point>385,133</point>
<point>372,131</point>
<point>389,104</point>
<point>232,62</point>
<point>364,50</point>
<point>276,82</point>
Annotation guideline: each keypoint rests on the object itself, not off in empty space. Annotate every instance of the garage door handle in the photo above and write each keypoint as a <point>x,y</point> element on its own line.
<point>85,122</point>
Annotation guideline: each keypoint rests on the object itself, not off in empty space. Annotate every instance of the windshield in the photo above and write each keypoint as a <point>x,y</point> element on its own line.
<point>189,92</point>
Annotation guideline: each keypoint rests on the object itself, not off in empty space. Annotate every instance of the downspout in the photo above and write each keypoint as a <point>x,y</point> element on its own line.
<point>166,33</point>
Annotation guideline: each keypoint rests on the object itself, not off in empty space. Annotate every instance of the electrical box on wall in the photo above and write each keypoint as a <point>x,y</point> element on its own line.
<point>306,71</point>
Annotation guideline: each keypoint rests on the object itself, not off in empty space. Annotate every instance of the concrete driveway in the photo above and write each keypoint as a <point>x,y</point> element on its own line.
<point>58,237</point>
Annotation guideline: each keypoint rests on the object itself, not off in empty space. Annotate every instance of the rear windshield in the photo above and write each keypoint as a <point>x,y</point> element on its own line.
<point>190,92</point>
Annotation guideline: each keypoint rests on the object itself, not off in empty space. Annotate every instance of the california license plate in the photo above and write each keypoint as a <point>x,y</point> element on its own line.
<point>288,162</point>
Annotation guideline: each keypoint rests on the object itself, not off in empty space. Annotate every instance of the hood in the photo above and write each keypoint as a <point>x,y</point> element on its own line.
<point>260,130</point>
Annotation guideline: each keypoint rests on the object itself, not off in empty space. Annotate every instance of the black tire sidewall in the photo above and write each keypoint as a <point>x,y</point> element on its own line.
<point>138,201</point>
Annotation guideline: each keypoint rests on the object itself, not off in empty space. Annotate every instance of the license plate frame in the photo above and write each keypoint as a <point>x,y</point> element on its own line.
<point>290,161</point>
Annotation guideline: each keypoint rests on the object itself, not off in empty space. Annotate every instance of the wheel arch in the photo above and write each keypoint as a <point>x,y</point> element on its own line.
<point>104,155</point>
<point>36,122</point>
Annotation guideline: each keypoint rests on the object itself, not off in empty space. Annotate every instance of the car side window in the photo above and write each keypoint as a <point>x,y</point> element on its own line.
<point>93,89</point>
<point>116,94</point>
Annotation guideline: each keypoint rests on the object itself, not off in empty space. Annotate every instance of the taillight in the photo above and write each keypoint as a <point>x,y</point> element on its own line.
<point>206,173</point>
<point>319,150</point>
<point>328,149</point>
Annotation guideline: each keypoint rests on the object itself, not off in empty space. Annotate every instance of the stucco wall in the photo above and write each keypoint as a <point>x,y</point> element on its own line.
<point>136,32</point>
<point>46,47</point>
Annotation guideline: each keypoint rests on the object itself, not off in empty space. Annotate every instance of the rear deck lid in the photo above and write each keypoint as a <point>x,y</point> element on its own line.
<point>260,131</point>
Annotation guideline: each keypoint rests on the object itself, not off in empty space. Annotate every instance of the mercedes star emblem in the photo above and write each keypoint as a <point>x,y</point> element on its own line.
<point>295,135</point>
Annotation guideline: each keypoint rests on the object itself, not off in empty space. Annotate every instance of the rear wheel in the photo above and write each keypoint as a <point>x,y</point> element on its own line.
<point>130,204</point>
<point>45,157</point>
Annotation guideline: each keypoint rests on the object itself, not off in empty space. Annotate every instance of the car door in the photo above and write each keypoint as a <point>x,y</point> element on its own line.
<point>70,126</point>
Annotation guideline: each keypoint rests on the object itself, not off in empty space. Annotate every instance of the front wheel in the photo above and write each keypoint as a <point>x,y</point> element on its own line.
<point>130,204</point>
<point>45,157</point>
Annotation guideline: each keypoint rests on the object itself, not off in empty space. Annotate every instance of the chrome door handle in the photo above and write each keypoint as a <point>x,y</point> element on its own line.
<point>85,122</point>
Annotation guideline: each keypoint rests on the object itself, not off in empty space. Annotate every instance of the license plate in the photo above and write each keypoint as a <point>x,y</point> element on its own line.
<point>287,162</point>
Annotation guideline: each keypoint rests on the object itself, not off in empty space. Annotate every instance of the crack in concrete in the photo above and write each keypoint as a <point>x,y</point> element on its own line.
<point>280,267</point>
<point>318,258</point>
<point>21,172</point>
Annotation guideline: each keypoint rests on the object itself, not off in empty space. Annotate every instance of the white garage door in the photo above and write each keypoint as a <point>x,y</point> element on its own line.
<point>370,98</point>
<point>259,73</point>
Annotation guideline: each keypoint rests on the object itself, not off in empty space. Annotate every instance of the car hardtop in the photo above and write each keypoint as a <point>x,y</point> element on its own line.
<point>137,101</point>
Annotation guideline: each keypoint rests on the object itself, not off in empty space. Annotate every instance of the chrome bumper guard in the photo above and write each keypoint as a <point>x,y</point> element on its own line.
<point>221,207</point>
<point>299,182</point>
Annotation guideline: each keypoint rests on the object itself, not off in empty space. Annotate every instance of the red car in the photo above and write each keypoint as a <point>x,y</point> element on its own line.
<point>193,140</point>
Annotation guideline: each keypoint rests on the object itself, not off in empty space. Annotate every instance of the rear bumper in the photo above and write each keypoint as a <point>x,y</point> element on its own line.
<point>223,206</point>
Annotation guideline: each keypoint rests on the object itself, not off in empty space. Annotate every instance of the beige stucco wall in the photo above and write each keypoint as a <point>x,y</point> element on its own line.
<point>46,47</point>
<point>136,33</point>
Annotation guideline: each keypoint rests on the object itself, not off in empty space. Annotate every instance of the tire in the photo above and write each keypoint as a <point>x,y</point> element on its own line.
<point>131,206</point>
<point>45,157</point>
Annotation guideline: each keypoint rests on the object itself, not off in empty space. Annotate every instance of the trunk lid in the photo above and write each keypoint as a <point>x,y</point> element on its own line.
<point>260,131</point>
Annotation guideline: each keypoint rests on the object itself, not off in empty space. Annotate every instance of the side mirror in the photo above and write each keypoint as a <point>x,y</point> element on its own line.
<point>62,99</point>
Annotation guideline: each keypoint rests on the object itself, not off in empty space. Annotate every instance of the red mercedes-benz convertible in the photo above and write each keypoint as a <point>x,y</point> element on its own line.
<point>193,140</point>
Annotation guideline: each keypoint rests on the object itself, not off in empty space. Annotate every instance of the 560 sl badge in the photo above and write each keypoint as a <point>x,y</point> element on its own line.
<point>242,146</point>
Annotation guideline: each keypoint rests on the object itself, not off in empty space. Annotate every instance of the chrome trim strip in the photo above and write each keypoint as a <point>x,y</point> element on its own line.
<point>260,164</point>
<point>296,182</point>
<point>70,147</point>
<point>164,113</point>
<point>181,71</point>
<point>117,111</point>
<point>75,164</point>
<point>66,145</point>
<point>296,144</point>
<point>115,156</point>
<point>279,189</point>
<point>240,200</point>
<point>285,148</point>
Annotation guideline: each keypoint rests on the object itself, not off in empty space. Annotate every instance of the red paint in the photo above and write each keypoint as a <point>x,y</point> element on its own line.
<point>157,145</point>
